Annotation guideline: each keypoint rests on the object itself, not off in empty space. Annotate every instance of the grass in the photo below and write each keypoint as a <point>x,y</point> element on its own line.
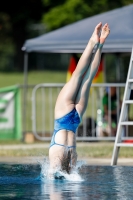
<point>84,150</point>
<point>23,152</point>
<point>34,77</point>
<point>103,150</point>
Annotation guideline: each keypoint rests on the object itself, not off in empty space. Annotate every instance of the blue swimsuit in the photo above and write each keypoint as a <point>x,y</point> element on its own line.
<point>69,122</point>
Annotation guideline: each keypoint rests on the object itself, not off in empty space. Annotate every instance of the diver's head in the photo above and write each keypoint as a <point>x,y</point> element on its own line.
<point>66,162</point>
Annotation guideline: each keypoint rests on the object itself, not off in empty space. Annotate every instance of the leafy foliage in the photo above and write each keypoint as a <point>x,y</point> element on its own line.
<point>6,42</point>
<point>65,12</point>
<point>17,16</point>
<point>70,11</point>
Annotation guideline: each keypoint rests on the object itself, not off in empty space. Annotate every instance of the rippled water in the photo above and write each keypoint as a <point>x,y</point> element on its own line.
<point>96,182</point>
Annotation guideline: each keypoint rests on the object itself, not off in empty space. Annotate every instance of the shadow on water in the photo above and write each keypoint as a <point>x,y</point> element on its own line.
<point>99,182</point>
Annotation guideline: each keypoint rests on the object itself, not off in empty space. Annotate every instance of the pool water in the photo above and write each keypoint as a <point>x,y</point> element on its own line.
<point>29,182</point>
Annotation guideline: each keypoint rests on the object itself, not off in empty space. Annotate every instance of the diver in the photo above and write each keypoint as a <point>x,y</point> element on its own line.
<point>72,102</point>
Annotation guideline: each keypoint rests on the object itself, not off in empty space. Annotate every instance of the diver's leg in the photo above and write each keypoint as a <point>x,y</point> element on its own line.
<point>66,99</point>
<point>83,94</point>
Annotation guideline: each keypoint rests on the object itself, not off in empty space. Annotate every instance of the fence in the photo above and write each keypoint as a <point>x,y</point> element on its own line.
<point>39,115</point>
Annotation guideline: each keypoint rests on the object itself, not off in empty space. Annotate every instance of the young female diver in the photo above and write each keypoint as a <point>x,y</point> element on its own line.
<point>72,102</point>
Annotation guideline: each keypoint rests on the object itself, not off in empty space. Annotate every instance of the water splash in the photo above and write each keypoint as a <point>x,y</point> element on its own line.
<point>47,174</point>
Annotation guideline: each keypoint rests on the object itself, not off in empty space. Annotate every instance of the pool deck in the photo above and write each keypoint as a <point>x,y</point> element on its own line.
<point>35,159</point>
<point>88,161</point>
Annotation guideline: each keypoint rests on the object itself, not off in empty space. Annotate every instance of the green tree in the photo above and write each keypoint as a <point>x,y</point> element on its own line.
<point>6,42</point>
<point>17,16</point>
<point>69,11</point>
<point>21,15</point>
<point>63,14</point>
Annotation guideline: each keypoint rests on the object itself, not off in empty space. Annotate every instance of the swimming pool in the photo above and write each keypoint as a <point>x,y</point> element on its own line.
<point>97,182</point>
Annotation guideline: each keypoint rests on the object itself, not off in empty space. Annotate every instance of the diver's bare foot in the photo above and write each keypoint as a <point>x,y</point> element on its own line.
<point>104,33</point>
<point>95,36</point>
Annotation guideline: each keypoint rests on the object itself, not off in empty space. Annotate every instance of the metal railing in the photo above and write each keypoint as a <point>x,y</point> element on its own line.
<point>43,100</point>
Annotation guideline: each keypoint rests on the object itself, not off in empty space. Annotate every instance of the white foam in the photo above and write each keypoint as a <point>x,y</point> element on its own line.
<point>74,176</point>
<point>47,173</point>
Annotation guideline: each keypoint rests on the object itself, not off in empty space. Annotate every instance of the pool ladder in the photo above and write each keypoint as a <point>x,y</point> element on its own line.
<point>123,120</point>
